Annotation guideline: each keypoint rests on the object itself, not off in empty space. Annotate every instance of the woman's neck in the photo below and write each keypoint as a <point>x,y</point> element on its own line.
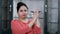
<point>23,19</point>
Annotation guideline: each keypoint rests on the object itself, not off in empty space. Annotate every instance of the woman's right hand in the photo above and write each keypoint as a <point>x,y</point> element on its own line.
<point>36,15</point>
<point>34,19</point>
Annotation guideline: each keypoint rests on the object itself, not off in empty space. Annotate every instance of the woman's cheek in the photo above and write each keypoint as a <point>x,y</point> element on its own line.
<point>19,14</point>
<point>26,14</point>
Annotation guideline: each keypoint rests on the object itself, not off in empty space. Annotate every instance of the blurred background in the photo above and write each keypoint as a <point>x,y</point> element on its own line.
<point>49,16</point>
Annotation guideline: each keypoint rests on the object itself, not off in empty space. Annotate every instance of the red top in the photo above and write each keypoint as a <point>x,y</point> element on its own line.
<point>18,27</point>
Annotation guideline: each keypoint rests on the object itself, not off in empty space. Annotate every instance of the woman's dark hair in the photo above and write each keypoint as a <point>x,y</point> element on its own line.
<point>21,4</point>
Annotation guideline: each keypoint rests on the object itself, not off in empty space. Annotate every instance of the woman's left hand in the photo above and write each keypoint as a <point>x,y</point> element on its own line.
<point>38,23</point>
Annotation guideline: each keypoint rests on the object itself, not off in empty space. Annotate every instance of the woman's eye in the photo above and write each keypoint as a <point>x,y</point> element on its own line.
<point>25,10</point>
<point>21,10</point>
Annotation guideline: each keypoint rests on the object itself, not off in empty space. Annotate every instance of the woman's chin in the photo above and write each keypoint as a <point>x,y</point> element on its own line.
<point>24,16</point>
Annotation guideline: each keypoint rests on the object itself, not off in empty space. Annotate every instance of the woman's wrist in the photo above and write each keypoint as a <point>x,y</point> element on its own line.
<point>32,22</point>
<point>38,25</point>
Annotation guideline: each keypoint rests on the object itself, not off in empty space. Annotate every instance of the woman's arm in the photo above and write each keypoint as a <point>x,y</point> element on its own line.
<point>35,16</point>
<point>37,27</point>
<point>37,30</point>
<point>38,23</point>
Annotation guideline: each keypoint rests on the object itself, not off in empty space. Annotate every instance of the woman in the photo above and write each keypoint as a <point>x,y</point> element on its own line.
<point>23,25</point>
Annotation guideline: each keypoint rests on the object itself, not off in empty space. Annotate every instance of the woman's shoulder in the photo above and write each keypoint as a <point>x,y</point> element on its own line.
<point>14,20</point>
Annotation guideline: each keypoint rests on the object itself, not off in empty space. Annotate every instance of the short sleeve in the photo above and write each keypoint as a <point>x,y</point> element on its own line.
<point>37,30</point>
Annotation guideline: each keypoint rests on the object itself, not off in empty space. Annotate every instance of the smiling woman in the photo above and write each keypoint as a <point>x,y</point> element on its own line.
<point>23,25</point>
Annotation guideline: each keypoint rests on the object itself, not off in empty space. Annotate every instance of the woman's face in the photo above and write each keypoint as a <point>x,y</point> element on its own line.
<point>22,12</point>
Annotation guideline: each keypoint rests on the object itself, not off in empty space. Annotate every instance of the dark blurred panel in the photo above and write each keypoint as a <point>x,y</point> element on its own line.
<point>59,17</point>
<point>0,16</point>
<point>5,16</point>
